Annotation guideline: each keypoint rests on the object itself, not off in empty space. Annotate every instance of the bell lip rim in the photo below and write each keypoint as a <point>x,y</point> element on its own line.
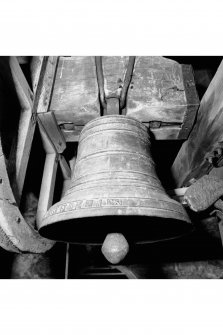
<point>190,230</point>
<point>144,127</point>
<point>189,227</point>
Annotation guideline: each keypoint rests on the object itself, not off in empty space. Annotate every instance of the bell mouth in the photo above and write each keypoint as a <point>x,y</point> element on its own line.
<point>136,229</point>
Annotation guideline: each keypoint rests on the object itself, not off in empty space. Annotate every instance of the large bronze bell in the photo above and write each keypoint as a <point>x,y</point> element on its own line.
<point>114,189</point>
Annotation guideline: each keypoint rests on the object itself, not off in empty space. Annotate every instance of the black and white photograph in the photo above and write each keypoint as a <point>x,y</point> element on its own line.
<point>111,167</point>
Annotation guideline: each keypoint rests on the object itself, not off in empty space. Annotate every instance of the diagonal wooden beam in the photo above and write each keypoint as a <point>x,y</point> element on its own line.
<point>205,138</point>
<point>53,139</point>
<point>23,142</point>
<point>47,186</point>
<point>23,89</point>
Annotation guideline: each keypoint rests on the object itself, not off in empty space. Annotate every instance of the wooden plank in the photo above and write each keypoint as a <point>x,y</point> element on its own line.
<point>192,101</point>
<point>24,92</point>
<point>156,92</point>
<point>23,59</point>
<point>24,143</point>
<point>26,129</point>
<point>47,143</point>
<point>207,133</point>
<point>47,122</point>
<point>35,70</point>
<point>113,106</point>
<point>75,94</point>
<point>49,126</point>
<point>15,234</point>
<point>47,186</point>
<point>48,82</point>
<point>166,133</point>
<point>66,171</point>
<point>114,69</point>
<point>71,135</point>
<point>27,121</point>
<point>162,133</point>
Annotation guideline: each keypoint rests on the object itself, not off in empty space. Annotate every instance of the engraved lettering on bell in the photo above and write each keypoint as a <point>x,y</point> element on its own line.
<point>115,189</point>
<point>115,202</point>
<point>88,203</point>
<point>97,202</point>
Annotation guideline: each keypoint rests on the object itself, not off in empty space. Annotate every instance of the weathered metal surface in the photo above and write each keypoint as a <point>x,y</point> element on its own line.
<point>114,179</point>
<point>115,247</point>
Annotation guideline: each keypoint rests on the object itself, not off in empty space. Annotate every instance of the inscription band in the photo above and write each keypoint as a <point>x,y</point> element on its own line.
<point>104,202</point>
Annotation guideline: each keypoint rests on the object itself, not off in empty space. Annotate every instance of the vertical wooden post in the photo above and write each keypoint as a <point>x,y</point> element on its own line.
<point>26,127</point>
<point>47,186</point>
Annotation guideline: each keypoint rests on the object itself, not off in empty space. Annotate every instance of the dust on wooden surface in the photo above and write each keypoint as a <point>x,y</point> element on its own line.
<point>75,94</point>
<point>114,69</point>
<point>157,91</point>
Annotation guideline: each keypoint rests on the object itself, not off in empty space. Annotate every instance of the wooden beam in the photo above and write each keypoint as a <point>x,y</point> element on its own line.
<point>71,135</point>
<point>15,234</point>
<point>66,171</point>
<point>27,122</point>
<point>48,82</point>
<point>192,101</point>
<point>47,143</point>
<point>35,70</point>
<point>24,143</point>
<point>75,94</point>
<point>26,128</point>
<point>162,133</point>
<point>49,125</point>
<point>24,92</point>
<point>205,137</point>
<point>52,137</point>
<point>47,186</point>
<point>157,91</point>
<point>166,133</point>
<point>114,69</point>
